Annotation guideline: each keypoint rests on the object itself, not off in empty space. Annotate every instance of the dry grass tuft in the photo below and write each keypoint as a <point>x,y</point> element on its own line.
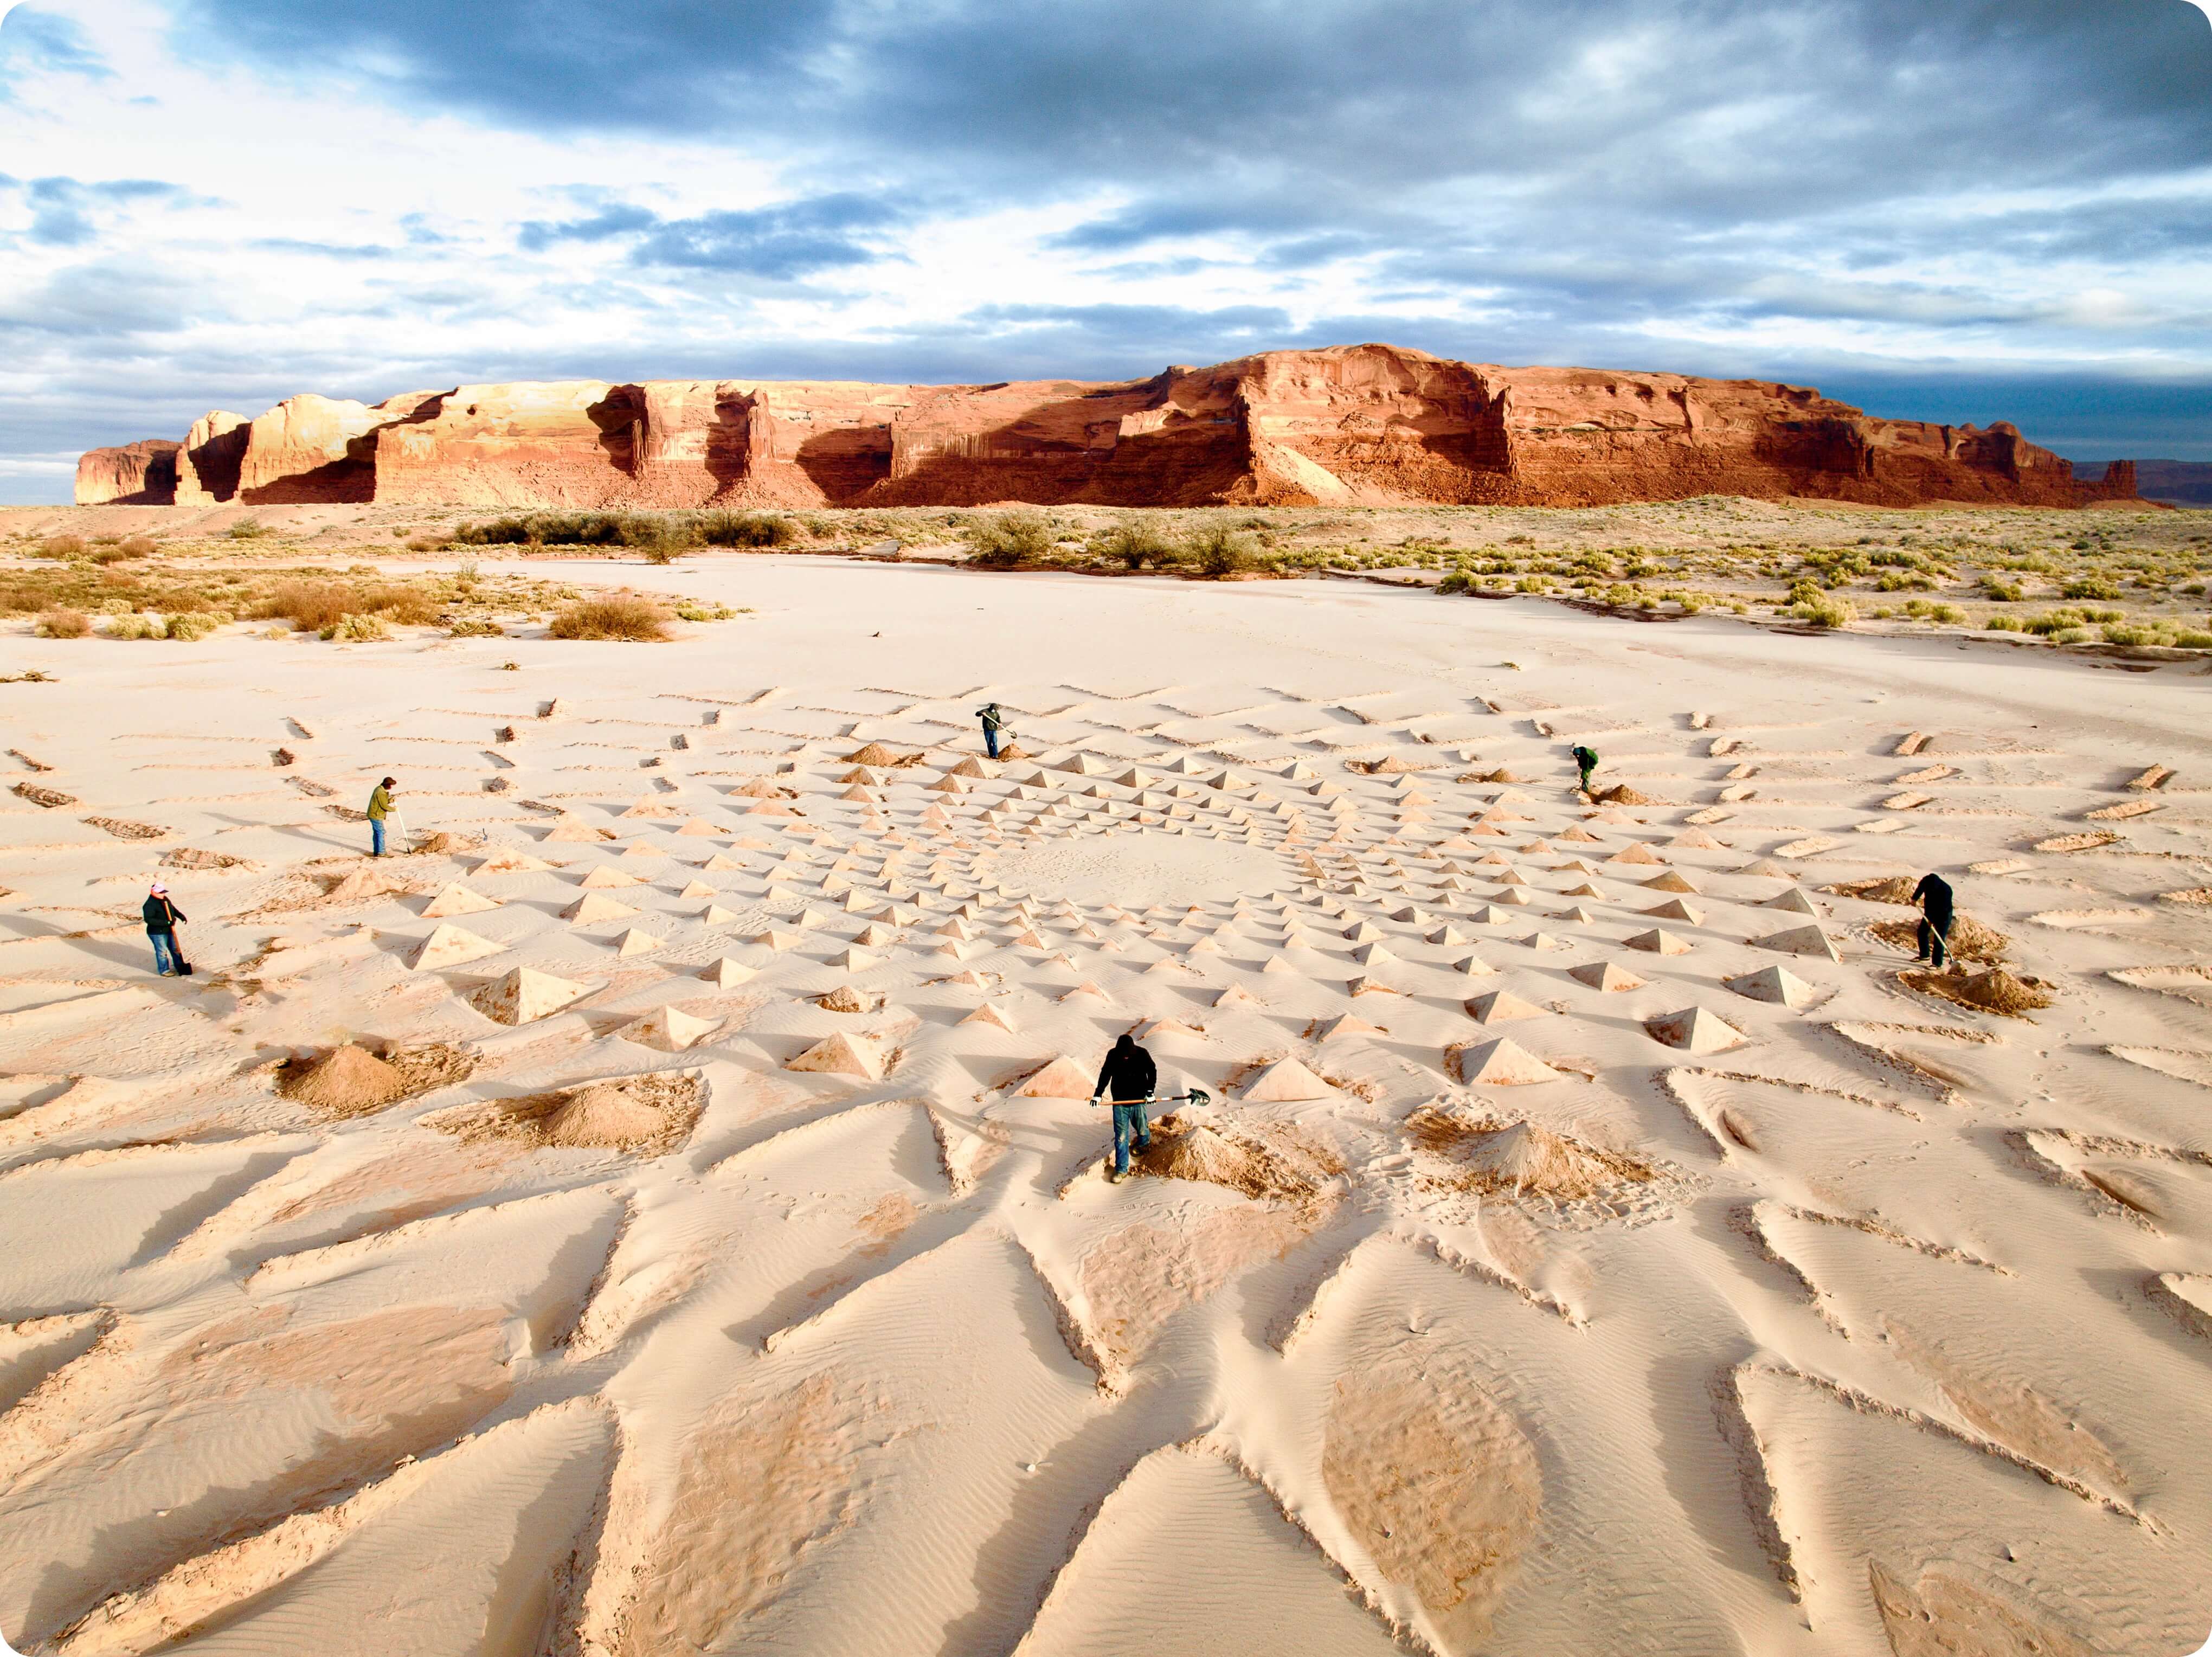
<point>621,616</point>
<point>64,624</point>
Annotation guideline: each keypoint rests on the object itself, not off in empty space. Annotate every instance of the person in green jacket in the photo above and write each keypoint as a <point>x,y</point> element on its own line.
<point>994,720</point>
<point>1586,762</point>
<point>380,807</point>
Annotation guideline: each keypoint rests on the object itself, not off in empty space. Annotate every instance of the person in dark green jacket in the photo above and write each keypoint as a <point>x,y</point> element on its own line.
<point>994,721</point>
<point>380,807</point>
<point>1585,762</point>
<point>161,918</point>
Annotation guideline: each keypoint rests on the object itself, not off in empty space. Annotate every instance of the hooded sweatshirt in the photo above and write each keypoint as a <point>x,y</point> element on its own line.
<point>1128,1071</point>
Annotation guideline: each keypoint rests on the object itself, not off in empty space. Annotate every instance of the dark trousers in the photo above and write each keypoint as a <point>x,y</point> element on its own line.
<point>991,741</point>
<point>1934,934</point>
<point>1129,1119</point>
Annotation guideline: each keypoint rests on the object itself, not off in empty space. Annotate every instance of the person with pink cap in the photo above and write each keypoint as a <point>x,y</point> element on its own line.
<point>161,918</point>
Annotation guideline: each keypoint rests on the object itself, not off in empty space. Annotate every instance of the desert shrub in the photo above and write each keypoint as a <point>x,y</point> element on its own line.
<point>310,605</point>
<point>191,625</point>
<point>2193,638</point>
<point>1458,582</point>
<point>2004,624</point>
<point>619,616</point>
<point>136,546</point>
<point>1136,544</point>
<point>1823,611</point>
<point>474,627</point>
<point>1218,550</point>
<point>133,627</point>
<point>351,628</point>
<point>1906,580</point>
<point>2091,587</point>
<point>64,624</point>
<point>496,532</point>
<point>62,547</point>
<point>1999,591</point>
<point>248,529</point>
<point>1008,539</point>
<point>407,606</point>
<point>747,529</point>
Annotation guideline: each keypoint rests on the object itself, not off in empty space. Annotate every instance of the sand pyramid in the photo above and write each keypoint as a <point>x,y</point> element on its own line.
<point>1372,954</point>
<point>636,942</point>
<point>1801,940</point>
<point>1500,1006</point>
<point>1793,901</point>
<point>455,898</point>
<point>840,1054</point>
<point>1284,1082</point>
<point>1348,1023</point>
<point>510,861</point>
<point>1086,990</point>
<point>1766,868</point>
<point>969,979</point>
<point>696,828</point>
<point>1672,880</point>
<point>605,876</point>
<point>1637,852</point>
<point>1500,1064</point>
<point>573,833</point>
<point>1474,967</point>
<point>1446,934</point>
<point>524,995</point>
<point>1062,1078</point>
<point>989,1013</point>
<point>667,1028</point>
<point>779,938</point>
<point>1604,975</point>
<point>1542,940</point>
<point>1695,1031</point>
<point>596,906</point>
<point>1676,910</point>
<point>1237,996</point>
<point>1658,941</point>
<point>1773,983</point>
<point>638,851</point>
<point>855,960</point>
<point>728,973</point>
<point>715,914</point>
<point>449,945</point>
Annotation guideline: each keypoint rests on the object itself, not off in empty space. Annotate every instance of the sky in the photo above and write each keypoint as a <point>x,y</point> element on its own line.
<point>1977,209</point>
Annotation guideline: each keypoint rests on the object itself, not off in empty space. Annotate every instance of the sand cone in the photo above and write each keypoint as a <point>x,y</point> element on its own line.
<point>1604,975</point>
<point>1801,940</point>
<point>667,1029</point>
<point>1793,901</point>
<point>524,996</point>
<point>1500,1064</point>
<point>696,889</point>
<point>510,861</point>
<point>1695,1031</point>
<point>635,941</point>
<point>989,1013</point>
<point>1286,1080</point>
<point>1659,942</point>
<point>1676,910</point>
<point>449,945</point>
<point>455,898</point>
<point>841,1055</point>
<point>605,876</point>
<point>1637,853</point>
<point>728,973</point>
<point>1672,880</point>
<point>1062,1078</point>
<point>1773,983</point>
<point>1348,1023</point>
<point>1500,1006</point>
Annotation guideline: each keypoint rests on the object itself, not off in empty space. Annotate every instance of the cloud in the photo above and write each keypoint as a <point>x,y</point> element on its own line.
<point>781,243</point>
<point>31,38</point>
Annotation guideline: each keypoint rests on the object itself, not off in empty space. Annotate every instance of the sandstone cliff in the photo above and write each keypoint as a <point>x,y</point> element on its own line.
<point>143,474</point>
<point>1350,424</point>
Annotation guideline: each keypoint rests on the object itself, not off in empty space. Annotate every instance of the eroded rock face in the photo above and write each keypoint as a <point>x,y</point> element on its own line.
<point>1373,425</point>
<point>143,474</point>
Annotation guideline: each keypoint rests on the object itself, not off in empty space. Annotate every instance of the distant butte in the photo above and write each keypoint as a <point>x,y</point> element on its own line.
<point>1348,425</point>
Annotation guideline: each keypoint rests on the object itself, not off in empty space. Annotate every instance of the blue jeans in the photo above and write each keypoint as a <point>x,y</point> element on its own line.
<point>167,960</point>
<point>991,741</point>
<point>1129,1119</point>
<point>376,837</point>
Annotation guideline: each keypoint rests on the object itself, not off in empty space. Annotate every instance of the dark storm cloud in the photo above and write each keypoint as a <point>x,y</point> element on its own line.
<point>781,243</point>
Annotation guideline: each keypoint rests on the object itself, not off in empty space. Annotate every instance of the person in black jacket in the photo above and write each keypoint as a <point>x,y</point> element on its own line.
<point>161,918</point>
<point>1129,1077</point>
<point>1933,894</point>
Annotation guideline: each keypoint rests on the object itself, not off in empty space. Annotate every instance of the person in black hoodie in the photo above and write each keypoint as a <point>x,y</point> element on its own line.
<point>1933,894</point>
<point>1129,1077</point>
<point>161,918</point>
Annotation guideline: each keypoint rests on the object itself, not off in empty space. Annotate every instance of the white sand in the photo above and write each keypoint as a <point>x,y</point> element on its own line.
<point>1887,1354</point>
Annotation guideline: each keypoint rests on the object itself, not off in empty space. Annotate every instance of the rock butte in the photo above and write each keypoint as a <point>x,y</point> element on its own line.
<point>1370,424</point>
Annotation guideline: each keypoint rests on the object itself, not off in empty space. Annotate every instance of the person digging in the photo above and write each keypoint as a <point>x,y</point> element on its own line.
<point>161,918</point>
<point>1128,1076</point>
<point>380,809</point>
<point>1933,894</point>
<point>994,722</point>
<point>1585,762</point>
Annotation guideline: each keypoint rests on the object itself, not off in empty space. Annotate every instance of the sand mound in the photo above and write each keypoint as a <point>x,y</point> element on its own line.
<point>1889,889</point>
<point>1262,1162</point>
<point>1992,991</point>
<point>643,1115</point>
<point>1970,939</point>
<point>1520,1159</point>
<point>845,999</point>
<point>365,883</point>
<point>351,1081</point>
<point>876,754</point>
<point>348,1080</point>
<point>1622,795</point>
